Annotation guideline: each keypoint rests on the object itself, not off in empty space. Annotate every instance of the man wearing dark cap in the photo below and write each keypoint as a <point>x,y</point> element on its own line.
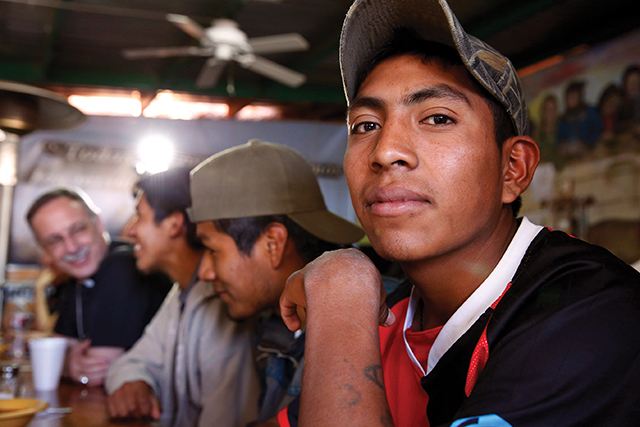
<point>193,365</point>
<point>261,215</point>
<point>501,322</point>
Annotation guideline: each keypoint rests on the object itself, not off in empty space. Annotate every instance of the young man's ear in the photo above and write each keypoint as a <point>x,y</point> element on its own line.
<point>520,158</point>
<point>275,238</point>
<point>176,224</point>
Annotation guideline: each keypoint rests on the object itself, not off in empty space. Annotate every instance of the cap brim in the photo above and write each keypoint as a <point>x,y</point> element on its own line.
<point>328,226</point>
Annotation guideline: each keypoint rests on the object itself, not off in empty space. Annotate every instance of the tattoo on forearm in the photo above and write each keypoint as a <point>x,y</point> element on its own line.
<point>357,396</point>
<point>374,374</point>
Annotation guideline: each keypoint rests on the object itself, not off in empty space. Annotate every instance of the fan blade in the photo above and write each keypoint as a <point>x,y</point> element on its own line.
<point>165,52</point>
<point>290,42</point>
<point>187,25</point>
<point>210,73</point>
<point>274,71</point>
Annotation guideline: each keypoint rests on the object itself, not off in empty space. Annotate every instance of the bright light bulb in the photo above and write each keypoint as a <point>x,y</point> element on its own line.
<point>155,153</point>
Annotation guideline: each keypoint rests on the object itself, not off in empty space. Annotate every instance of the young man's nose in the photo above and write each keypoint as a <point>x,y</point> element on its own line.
<point>394,148</point>
<point>206,270</point>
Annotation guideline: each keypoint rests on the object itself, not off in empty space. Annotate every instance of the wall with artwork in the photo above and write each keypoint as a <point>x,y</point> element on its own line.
<point>585,116</point>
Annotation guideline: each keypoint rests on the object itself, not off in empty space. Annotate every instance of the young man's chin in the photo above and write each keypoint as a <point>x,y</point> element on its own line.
<point>146,268</point>
<point>234,314</point>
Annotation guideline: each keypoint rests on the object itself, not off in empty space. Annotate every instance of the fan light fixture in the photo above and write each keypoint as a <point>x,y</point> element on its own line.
<point>224,42</point>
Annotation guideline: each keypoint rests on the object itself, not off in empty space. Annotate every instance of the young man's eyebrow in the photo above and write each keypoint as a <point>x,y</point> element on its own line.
<point>441,91</point>
<point>366,102</point>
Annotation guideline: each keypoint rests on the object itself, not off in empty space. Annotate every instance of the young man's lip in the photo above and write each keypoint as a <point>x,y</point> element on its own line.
<point>391,201</point>
<point>393,195</point>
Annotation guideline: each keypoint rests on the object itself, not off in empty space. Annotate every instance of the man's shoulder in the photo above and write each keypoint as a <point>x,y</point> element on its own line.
<point>119,256</point>
<point>561,274</point>
<point>119,270</point>
<point>554,258</point>
<point>120,250</point>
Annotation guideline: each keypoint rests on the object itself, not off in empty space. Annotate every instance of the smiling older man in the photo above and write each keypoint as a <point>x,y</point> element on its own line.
<point>107,302</point>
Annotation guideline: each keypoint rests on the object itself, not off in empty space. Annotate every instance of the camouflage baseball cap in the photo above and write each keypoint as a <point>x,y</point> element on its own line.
<point>370,25</point>
<point>262,178</point>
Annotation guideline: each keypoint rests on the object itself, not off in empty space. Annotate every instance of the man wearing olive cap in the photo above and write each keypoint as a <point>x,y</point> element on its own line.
<point>261,216</point>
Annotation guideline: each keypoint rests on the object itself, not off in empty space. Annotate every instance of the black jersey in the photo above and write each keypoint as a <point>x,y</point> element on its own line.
<point>563,346</point>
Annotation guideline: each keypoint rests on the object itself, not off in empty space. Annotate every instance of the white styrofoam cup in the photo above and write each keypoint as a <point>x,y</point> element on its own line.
<point>47,360</point>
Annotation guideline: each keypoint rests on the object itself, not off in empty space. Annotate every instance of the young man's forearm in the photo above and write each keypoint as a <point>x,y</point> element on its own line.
<point>342,382</point>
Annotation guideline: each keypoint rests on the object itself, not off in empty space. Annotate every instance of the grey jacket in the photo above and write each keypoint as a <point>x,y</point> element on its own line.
<point>198,363</point>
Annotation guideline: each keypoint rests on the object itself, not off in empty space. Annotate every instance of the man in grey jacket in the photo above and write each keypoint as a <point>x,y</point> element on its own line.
<point>193,365</point>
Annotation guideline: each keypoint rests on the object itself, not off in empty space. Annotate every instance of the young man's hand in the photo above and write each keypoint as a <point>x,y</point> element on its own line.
<point>339,270</point>
<point>134,400</point>
<point>344,299</point>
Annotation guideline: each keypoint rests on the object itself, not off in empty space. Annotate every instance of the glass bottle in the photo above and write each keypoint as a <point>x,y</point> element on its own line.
<point>9,381</point>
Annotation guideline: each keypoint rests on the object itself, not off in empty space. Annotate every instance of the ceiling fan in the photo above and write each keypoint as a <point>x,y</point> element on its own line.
<point>223,42</point>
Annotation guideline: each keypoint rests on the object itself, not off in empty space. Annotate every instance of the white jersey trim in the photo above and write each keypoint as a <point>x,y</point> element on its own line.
<point>482,298</point>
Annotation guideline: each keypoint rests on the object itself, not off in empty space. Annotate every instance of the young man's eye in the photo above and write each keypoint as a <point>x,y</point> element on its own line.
<point>438,119</point>
<point>364,127</point>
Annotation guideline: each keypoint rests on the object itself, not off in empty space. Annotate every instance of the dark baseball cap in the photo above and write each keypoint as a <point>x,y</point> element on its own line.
<point>370,25</point>
<point>262,178</point>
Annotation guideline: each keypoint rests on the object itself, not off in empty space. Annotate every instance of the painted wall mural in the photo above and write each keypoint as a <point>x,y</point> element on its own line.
<point>585,116</point>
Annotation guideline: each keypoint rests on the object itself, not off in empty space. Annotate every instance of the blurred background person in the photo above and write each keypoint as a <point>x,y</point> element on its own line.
<point>546,132</point>
<point>629,114</point>
<point>193,365</point>
<point>106,302</point>
<point>609,108</point>
<point>580,126</point>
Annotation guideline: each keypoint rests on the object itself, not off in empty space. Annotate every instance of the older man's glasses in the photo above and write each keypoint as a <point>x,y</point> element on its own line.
<point>75,232</point>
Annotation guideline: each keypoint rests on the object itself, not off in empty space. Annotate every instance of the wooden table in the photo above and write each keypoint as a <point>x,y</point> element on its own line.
<point>88,408</point>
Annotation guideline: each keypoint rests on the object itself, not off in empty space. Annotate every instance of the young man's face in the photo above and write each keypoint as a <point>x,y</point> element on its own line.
<point>151,240</point>
<point>242,282</point>
<point>70,236</point>
<point>422,163</point>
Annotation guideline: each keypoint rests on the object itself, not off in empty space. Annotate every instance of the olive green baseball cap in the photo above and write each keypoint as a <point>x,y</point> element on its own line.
<point>262,178</point>
<point>370,25</point>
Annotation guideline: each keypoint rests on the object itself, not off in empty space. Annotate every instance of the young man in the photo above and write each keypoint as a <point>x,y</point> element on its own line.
<point>193,365</point>
<point>503,323</point>
<point>261,215</point>
<point>105,305</point>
